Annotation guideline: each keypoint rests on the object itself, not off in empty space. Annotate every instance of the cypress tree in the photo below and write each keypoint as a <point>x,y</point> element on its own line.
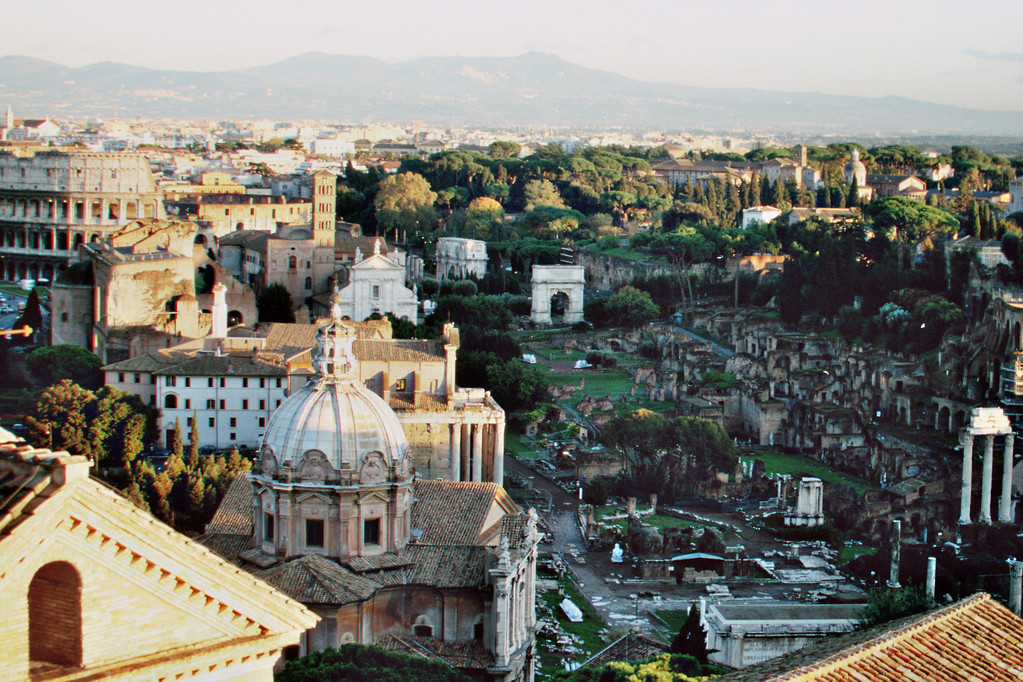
<point>691,639</point>
<point>193,444</point>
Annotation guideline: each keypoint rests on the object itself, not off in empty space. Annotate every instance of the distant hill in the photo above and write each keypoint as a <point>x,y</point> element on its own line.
<point>533,89</point>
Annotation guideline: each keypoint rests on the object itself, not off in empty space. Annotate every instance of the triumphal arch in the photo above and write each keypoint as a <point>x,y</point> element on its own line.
<point>554,280</point>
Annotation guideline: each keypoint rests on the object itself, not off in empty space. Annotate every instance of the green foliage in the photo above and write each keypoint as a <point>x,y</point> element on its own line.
<point>107,425</point>
<point>405,202</point>
<point>361,663</point>
<point>274,304</point>
<point>885,605</point>
<point>52,364</point>
<point>542,193</point>
<point>628,307</point>
<point>691,639</point>
<point>660,668</point>
<point>516,385</point>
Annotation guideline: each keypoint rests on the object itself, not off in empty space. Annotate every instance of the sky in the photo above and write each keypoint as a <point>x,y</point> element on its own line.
<point>945,51</point>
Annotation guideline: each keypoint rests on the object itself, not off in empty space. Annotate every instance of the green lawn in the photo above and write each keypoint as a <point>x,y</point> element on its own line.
<point>847,554</point>
<point>656,520</point>
<point>779,463</point>
<point>610,382</point>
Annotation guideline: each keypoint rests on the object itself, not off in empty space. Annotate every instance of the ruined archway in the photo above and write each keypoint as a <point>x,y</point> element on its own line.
<point>550,280</point>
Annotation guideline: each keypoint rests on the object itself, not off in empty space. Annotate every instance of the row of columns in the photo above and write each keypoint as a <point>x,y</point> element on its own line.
<point>91,211</point>
<point>466,442</point>
<point>987,474</point>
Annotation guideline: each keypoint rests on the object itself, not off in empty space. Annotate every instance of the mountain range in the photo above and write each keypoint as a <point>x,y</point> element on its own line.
<point>535,89</point>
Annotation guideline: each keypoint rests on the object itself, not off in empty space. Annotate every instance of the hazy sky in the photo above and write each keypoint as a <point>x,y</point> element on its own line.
<point>949,51</point>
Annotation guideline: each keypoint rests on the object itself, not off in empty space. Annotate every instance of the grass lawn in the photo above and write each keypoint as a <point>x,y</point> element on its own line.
<point>513,443</point>
<point>847,554</point>
<point>611,382</point>
<point>779,463</point>
<point>672,619</point>
<point>587,631</point>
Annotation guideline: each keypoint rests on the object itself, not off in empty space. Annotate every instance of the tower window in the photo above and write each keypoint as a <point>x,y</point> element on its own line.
<point>268,526</point>
<point>371,532</point>
<point>314,532</point>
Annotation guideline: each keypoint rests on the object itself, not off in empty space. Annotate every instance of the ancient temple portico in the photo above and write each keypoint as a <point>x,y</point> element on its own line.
<point>987,422</point>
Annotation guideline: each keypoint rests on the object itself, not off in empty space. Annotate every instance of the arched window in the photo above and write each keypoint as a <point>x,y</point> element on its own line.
<point>309,283</point>
<point>422,627</point>
<point>170,401</point>
<point>292,263</point>
<point>55,615</point>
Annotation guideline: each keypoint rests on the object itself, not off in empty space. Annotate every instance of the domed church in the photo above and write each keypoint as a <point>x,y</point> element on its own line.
<point>336,519</point>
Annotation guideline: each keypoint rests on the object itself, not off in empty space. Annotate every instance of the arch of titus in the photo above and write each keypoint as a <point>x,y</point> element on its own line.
<point>988,422</point>
<point>550,280</point>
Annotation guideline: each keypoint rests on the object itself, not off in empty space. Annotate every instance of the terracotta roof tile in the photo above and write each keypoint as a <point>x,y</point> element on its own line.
<point>471,654</point>
<point>974,639</point>
<point>315,580</point>
<point>234,515</point>
<point>451,513</point>
<point>632,647</point>
<point>405,350</point>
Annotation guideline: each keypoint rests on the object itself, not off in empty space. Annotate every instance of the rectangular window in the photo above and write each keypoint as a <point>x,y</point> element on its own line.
<point>234,421</point>
<point>262,422</point>
<point>211,404</point>
<point>245,382</point>
<point>262,383</point>
<point>120,377</point>
<point>278,403</point>
<point>376,291</point>
<point>268,526</point>
<point>278,383</point>
<point>170,381</point>
<point>233,436</point>
<point>262,404</point>
<point>223,382</point>
<point>314,532</point>
<point>209,382</point>
<point>188,404</point>
<point>152,378</point>
<point>138,378</point>
<point>188,422</point>
<point>245,404</point>
<point>188,382</point>
<point>223,404</point>
<point>213,422</point>
<point>371,532</point>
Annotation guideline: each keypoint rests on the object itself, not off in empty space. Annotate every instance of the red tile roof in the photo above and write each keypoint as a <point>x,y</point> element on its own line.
<point>974,639</point>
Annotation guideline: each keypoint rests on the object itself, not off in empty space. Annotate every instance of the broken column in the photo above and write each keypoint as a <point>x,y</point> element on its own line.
<point>1016,586</point>
<point>1005,501</point>
<point>893,577</point>
<point>966,493</point>
<point>932,570</point>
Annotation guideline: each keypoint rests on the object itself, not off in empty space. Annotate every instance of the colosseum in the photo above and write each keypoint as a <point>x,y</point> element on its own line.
<point>52,201</point>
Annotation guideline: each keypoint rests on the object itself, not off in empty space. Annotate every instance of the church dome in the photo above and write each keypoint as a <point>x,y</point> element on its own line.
<point>856,169</point>
<point>334,429</point>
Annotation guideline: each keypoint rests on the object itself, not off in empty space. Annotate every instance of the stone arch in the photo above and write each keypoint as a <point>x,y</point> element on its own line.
<point>55,615</point>
<point>78,240</point>
<point>200,239</point>
<point>549,280</point>
<point>170,401</point>
<point>423,627</point>
<point>958,419</point>
<point>944,416</point>
<point>314,468</point>
<point>347,638</point>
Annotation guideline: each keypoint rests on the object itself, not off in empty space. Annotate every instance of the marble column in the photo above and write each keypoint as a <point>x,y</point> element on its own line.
<point>499,455</point>
<point>1005,502</point>
<point>1016,586</point>
<point>985,480</point>
<point>455,451</point>
<point>967,488</point>
<point>893,576</point>
<point>932,570</point>
<point>477,452</point>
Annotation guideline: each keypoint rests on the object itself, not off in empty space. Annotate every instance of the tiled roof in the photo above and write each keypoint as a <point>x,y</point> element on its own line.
<point>447,566</point>
<point>361,564</point>
<point>451,513</point>
<point>226,545</point>
<point>471,654</point>
<point>632,647</point>
<point>234,515</point>
<point>974,639</point>
<point>315,580</point>
<point>150,362</point>
<point>424,402</point>
<point>404,350</point>
<point>205,365</point>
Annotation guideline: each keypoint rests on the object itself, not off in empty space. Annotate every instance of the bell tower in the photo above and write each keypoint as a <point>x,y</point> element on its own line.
<point>324,208</point>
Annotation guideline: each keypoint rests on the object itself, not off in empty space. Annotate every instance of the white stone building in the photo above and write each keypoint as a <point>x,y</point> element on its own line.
<point>758,214</point>
<point>336,519</point>
<point>377,285</point>
<point>458,258</point>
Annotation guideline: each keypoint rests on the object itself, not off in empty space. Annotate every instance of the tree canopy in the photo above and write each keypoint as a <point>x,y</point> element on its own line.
<point>404,202</point>
<point>50,364</point>
<point>361,663</point>
<point>274,304</point>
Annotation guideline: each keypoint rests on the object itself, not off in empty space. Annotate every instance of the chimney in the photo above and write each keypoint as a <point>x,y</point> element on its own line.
<point>893,578</point>
<point>932,569</point>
